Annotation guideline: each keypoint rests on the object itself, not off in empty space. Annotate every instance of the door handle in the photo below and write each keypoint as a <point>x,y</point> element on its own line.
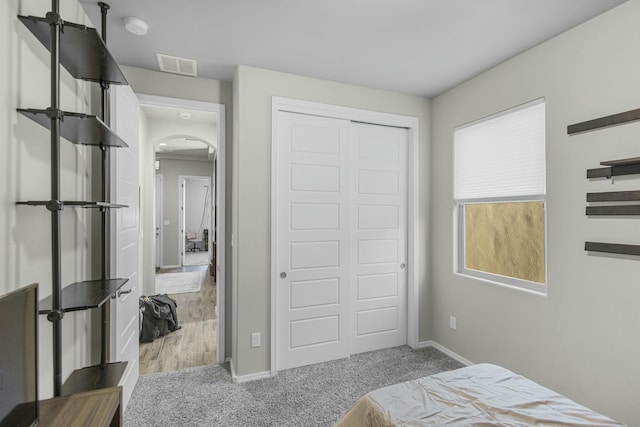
<point>403,265</point>
<point>120,293</point>
<point>283,275</point>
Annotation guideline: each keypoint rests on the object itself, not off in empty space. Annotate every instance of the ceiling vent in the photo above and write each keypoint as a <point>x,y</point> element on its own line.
<point>177,65</point>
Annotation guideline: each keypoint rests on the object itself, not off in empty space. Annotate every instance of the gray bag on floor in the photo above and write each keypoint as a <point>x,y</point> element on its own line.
<point>159,316</point>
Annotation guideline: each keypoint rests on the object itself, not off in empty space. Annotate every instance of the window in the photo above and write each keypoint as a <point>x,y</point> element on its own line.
<point>499,193</point>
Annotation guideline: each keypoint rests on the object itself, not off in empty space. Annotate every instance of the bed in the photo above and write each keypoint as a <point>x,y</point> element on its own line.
<point>477,395</point>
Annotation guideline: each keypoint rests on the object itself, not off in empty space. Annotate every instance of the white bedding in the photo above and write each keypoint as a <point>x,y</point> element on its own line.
<point>477,395</point>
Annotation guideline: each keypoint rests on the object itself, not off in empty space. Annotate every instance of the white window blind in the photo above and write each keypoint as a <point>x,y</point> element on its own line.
<point>501,156</point>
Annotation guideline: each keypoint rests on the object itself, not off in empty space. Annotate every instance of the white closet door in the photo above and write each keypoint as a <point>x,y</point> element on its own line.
<point>313,254</point>
<point>378,237</point>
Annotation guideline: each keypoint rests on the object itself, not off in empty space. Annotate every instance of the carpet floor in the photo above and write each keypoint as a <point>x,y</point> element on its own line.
<point>309,396</point>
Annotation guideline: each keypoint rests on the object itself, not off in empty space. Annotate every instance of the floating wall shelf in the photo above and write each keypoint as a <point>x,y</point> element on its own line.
<point>612,248</point>
<point>614,196</point>
<point>603,122</point>
<point>614,210</point>
<point>620,167</point>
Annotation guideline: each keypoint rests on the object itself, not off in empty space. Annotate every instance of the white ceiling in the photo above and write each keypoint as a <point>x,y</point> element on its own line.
<point>422,47</point>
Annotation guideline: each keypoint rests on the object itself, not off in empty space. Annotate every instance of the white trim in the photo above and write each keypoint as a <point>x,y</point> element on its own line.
<point>445,350</point>
<point>250,377</point>
<point>171,266</point>
<point>160,226</point>
<point>353,114</point>
<point>232,368</point>
<point>220,182</point>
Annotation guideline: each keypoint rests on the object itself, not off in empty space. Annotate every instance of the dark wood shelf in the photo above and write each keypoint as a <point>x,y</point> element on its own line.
<point>96,408</point>
<point>78,128</point>
<point>82,52</point>
<point>612,248</point>
<point>622,162</point>
<point>84,295</point>
<point>608,172</point>
<point>94,378</point>
<point>81,204</point>
<point>603,122</point>
<point>614,196</point>
<point>614,210</point>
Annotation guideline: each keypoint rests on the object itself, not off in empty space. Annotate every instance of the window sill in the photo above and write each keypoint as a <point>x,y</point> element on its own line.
<point>507,282</point>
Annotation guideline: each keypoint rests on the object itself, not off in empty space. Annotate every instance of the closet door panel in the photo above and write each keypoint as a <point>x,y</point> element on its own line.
<point>312,240</point>
<point>378,237</point>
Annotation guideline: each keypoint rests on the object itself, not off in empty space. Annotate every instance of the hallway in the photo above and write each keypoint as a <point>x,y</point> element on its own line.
<point>195,343</point>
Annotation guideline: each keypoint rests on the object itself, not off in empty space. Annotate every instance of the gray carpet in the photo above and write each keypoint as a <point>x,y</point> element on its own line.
<point>309,396</point>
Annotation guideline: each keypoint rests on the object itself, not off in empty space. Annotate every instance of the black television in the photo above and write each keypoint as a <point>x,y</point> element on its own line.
<point>19,358</point>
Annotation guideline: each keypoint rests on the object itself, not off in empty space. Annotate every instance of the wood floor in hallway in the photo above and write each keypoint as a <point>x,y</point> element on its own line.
<point>195,343</point>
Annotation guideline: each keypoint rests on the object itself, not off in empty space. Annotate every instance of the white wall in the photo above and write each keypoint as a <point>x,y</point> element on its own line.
<point>25,236</point>
<point>171,170</point>
<point>582,338</point>
<point>253,90</point>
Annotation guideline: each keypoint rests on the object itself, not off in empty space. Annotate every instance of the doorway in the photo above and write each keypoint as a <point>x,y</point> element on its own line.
<point>184,139</point>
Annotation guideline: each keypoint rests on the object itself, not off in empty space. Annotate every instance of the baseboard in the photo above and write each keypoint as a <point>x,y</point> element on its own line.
<point>445,350</point>
<point>245,378</point>
<point>249,377</point>
<point>170,266</point>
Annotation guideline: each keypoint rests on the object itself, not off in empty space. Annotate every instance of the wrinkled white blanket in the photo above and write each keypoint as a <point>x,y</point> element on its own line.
<point>477,395</point>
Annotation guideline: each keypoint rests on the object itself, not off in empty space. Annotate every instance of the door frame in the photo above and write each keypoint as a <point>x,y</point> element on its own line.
<point>159,216</point>
<point>280,104</point>
<point>220,182</point>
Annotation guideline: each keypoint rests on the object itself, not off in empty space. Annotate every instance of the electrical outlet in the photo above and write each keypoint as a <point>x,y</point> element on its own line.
<point>452,322</point>
<point>255,339</point>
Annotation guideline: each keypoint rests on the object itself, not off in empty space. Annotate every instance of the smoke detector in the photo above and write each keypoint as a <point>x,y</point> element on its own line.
<point>135,25</point>
<point>177,65</point>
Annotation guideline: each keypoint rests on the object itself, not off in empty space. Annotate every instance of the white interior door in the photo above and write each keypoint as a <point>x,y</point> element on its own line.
<point>159,219</point>
<point>312,247</point>
<point>125,236</point>
<point>378,237</point>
